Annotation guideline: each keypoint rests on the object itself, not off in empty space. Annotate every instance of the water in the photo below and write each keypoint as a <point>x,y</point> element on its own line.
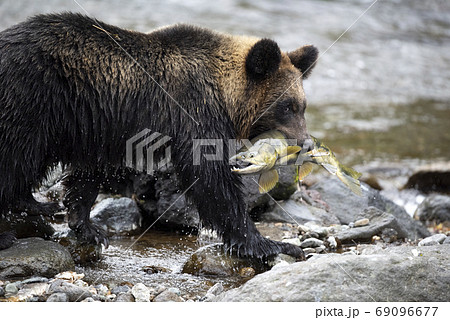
<point>378,95</point>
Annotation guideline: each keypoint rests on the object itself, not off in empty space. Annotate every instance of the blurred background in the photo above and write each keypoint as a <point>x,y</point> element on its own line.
<point>378,96</point>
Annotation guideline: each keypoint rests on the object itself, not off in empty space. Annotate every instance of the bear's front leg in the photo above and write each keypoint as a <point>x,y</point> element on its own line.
<point>81,191</point>
<point>217,194</point>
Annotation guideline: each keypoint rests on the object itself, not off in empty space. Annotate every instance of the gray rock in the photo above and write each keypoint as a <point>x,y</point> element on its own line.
<point>346,206</point>
<point>167,296</point>
<point>119,289</point>
<point>434,208</point>
<point>433,240</point>
<point>292,211</point>
<point>32,290</point>
<point>58,297</point>
<point>379,221</point>
<point>34,257</point>
<point>73,292</point>
<point>125,297</point>
<point>311,243</point>
<point>2,291</point>
<point>212,260</point>
<point>395,274</point>
<point>11,289</point>
<point>117,216</point>
<point>140,292</point>
<point>216,289</point>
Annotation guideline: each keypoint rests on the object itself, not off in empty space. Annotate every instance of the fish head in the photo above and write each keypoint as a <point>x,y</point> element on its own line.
<point>260,157</point>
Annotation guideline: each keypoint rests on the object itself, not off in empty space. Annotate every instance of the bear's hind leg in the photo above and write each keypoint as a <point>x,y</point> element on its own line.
<point>81,191</point>
<point>34,208</point>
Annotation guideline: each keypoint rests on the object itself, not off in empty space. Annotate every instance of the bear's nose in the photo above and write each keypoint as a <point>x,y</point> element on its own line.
<point>308,145</point>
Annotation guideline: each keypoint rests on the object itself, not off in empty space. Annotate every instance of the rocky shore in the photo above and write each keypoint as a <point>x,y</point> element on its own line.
<point>358,248</point>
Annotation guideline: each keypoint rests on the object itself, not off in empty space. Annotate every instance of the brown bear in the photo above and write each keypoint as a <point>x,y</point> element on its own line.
<point>73,90</point>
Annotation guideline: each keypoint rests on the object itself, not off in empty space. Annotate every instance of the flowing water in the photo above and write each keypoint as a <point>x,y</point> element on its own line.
<point>379,94</point>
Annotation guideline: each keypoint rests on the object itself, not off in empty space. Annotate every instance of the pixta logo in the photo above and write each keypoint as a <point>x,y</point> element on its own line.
<point>142,148</point>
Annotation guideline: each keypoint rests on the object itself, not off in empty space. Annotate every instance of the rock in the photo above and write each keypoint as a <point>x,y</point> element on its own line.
<point>247,272</point>
<point>216,289</point>
<point>294,241</point>
<point>81,253</point>
<point>277,231</point>
<point>211,260</point>
<point>11,289</point>
<point>117,216</point>
<point>2,291</point>
<point>379,221</point>
<point>120,289</point>
<point>389,235</point>
<point>34,257</point>
<point>140,292</point>
<point>292,211</point>
<point>311,243</point>
<point>346,206</point>
<point>434,177</point>
<point>361,222</point>
<point>73,292</point>
<point>167,296</point>
<point>393,275</point>
<point>124,297</point>
<point>433,240</point>
<point>58,297</point>
<point>30,290</point>
<point>434,208</point>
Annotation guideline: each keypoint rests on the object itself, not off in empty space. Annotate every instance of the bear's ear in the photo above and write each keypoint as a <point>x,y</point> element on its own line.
<point>263,59</point>
<point>304,59</point>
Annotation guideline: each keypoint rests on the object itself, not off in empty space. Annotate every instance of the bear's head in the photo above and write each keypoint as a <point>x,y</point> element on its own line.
<point>273,97</point>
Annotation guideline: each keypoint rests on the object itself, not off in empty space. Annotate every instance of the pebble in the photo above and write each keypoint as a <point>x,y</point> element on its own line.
<point>216,289</point>
<point>120,289</point>
<point>320,249</point>
<point>58,297</point>
<point>124,297</point>
<point>361,222</point>
<point>247,272</point>
<point>34,280</point>
<point>31,290</point>
<point>175,290</point>
<point>11,289</point>
<point>311,243</point>
<point>309,250</point>
<point>70,276</point>
<point>389,235</point>
<point>102,290</point>
<point>2,292</point>
<point>167,296</point>
<point>294,241</point>
<point>141,293</point>
<point>332,242</point>
<point>447,240</point>
<point>73,292</point>
<point>433,240</point>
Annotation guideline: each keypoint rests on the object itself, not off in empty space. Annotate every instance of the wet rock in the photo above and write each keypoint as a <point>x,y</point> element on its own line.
<point>434,208</point>
<point>379,221</point>
<point>394,274</point>
<point>120,289</point>
<point>140,292</point>
<point>11,289</point>
<point>212,260</point>
<point>30,290</point>
<point>361,222</point>
<point>311,243</point>
<point>81,253</point>
<point>434,177</point>
<point>124,297</point>
<point>34,257</point>
<point>168,296</point>
<point>58,297</point>
<point>117,216</point>
<point>347,206</point>
<point>433,240</point>
<point>155,269</point>
<point>247,272</point>
<point>292,211</point>
<point>73,292</point>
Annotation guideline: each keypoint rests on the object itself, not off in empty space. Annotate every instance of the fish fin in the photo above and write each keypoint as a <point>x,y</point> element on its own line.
<point>329,167</point>
<point>293,149</point>
<point>304,170</point>
<point>350,182</point>
<point>267,181</point>
<point>351,172</point>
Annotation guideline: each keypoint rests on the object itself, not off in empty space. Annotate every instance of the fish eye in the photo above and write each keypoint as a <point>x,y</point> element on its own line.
<point>251,155</point>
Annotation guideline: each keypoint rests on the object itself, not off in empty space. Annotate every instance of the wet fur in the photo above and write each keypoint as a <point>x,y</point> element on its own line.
<point>70,94</point>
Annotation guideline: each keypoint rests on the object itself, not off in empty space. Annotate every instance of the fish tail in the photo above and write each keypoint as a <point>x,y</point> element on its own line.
<point>350,182</point>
